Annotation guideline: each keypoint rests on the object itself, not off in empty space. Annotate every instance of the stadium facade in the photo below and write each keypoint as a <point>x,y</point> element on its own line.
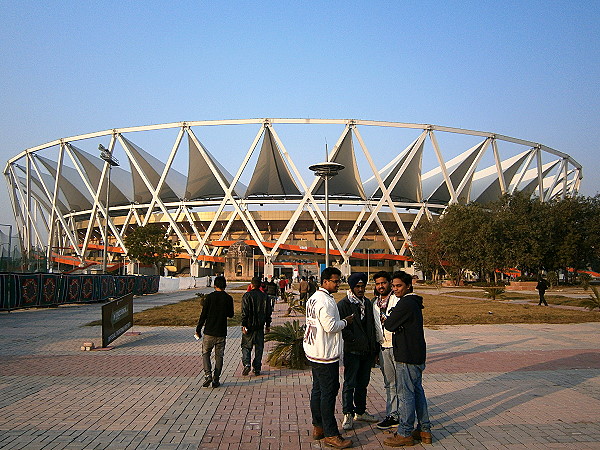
<point>212,183</point>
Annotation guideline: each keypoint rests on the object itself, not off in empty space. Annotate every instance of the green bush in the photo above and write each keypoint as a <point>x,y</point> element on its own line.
<point>288,352</point>
<point>494,292</point>
<point>594,301</point>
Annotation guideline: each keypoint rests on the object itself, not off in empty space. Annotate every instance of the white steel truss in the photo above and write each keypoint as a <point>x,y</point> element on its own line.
<point>58,190</point>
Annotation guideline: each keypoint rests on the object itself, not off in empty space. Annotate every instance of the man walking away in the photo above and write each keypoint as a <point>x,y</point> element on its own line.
<point>360,349</point>
<point>256,319</point>
<point>322,347</point>
<point>541,286</point>
<point>282,287</point>
<point>406,322</point>
<point>271,290</point>
<point>383,304</point>
<point>217,307</point>
<point>303,289</point>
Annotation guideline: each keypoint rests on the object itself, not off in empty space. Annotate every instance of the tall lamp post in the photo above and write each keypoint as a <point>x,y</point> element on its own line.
<point>110,160</point>
<point>326,170</point>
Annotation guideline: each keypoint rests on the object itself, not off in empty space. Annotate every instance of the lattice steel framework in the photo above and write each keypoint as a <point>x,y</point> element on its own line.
<point>57,189</point>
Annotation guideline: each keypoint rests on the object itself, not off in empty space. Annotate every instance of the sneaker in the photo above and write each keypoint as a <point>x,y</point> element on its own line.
<point>216,383</point>
<point>207,381</point>
<point>246,370</point>
<point>348,421</point>
<point>337,442</point>
<point>423,436</point>
<point>365,417</point>
<point>397,440</point>
<point>388,422</point>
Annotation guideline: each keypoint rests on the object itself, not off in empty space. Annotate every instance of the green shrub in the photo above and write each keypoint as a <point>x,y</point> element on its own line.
<point>594,301</point>
<point>494,292</point>
<point>288,350</point>
<point>585,280</point>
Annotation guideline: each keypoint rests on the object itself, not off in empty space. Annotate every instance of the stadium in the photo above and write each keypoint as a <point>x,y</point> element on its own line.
<point>212,184</point>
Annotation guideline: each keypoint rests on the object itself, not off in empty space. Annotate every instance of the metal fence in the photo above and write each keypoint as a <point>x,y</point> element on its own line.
<point>27,290</point>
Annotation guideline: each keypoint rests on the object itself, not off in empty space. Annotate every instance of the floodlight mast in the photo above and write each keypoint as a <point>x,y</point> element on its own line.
<point>326,171</point>
<point>111,161</point>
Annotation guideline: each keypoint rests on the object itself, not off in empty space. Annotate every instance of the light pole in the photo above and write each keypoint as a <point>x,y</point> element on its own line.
<point>326,170</point>
<point>110,161</point>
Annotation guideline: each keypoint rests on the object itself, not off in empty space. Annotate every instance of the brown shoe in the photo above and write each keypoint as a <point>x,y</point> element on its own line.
<point>337,442</point>
<point>399,441</point>
<point>318,433</point>
<point>423,436</point>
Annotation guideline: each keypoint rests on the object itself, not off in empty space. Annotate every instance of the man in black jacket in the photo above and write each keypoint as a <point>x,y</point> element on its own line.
<point>217,307</point>
<point>256,319</point>
<point>406,322</point>
<point>360,349</point>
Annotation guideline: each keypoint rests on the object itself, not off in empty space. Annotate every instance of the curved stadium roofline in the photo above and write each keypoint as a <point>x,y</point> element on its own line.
<point>195,189</point>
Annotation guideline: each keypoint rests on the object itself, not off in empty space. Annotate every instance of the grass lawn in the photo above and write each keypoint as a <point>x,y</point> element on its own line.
<point>439,310</point>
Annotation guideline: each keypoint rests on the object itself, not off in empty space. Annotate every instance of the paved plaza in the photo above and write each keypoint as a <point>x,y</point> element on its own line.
<point>488,387</point>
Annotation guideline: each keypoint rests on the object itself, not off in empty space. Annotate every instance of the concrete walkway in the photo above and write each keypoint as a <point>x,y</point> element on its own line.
<point>488,386</point>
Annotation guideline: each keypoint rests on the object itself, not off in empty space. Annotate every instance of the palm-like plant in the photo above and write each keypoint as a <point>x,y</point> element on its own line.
<point>295,305</point>
<point>594,301</point>
<point>494,292</point>
<point>288,351</point>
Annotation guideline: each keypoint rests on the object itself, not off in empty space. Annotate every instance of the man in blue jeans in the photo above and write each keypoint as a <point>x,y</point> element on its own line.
<point>322,347</point>
<point>256,319</point>
<point>406,322</point>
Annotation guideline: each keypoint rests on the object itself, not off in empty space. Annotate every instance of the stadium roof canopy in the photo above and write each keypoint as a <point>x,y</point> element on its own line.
<point>213,166</point>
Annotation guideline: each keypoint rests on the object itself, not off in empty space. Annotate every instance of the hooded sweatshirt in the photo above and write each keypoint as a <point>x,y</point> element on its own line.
<point>406,322</point>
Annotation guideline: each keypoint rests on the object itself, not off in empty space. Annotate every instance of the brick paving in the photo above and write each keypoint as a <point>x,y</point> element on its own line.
<point>488,386</point>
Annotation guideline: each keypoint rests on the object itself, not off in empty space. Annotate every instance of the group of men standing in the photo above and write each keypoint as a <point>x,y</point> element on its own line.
<point>389,328</point>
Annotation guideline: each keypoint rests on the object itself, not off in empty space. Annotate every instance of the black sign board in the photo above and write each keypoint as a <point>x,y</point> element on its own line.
<point>117,318</point>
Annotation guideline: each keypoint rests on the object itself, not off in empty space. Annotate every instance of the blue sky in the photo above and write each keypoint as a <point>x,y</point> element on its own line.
<point>527,69</point>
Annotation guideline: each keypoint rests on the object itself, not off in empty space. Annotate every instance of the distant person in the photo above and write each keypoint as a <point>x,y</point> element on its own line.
<point>217,307</point>
<point>303,289</point>
<point>406,322</point>
<point>271,291</point>
<point>208,281</point>
<point>360,349</point>
<point>321,343</point>
<point>385,300</point>
<point>541,287</point>
<point>256,319</point>
<point>312,286</point>
<point>282,287</point>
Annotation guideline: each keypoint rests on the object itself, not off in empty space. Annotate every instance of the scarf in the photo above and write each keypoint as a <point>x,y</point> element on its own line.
<point>382,303</point>
<point>354,299</point>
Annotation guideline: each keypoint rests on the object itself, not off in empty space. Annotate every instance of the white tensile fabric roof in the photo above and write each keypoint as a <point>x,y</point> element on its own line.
<point>62,181</point>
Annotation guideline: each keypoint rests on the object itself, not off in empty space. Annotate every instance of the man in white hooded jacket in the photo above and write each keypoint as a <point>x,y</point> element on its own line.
<point>322,345</point>
<point>382,305</point>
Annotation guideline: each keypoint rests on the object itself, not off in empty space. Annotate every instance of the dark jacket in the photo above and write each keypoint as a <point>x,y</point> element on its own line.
<point>256,310</point>
<point>359,336</point>
<point>406,322</point>
<point>217,307</point>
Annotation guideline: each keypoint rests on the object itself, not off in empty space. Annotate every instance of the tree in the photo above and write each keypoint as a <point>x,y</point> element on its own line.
<point>515,232</point>
<point>150,246</point>
<point>426,250</point>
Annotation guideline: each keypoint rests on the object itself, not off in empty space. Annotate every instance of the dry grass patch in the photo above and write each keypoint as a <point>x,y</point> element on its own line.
<point>440,309</point>
<point>184,313</point>
<point>446,310</point>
